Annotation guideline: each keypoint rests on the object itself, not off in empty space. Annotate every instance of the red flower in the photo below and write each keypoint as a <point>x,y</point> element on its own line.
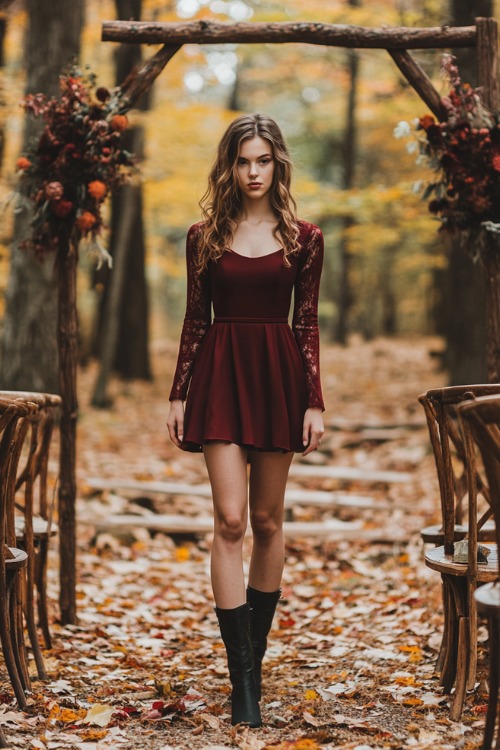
<point>496,162</point>
<point>119,122</point>
<point>86,221</point>
<point>426,121</point>
<point>61,208</point>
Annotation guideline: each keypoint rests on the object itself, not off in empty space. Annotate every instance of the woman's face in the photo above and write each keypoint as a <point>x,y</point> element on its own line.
<point>255,167</point>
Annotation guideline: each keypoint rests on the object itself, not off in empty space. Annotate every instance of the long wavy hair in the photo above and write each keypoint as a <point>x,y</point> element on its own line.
<point>221,204</point>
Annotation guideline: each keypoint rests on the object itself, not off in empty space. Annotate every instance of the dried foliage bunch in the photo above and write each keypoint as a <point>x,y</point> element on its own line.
<point>464,152</point>
<point>77,160</point>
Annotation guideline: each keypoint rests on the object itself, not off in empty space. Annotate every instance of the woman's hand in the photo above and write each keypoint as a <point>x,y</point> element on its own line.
<point>175,422</point>
<point>313,430</point>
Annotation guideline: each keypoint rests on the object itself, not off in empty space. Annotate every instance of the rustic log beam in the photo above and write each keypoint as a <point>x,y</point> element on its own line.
<point>141,78</point>
<point>418,78</point>
<point>335,35</point>
<point>487,62</point>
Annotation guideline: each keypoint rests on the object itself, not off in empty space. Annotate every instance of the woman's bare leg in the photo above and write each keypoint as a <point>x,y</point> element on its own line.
<point>268,477</point>
<point>227,470</point>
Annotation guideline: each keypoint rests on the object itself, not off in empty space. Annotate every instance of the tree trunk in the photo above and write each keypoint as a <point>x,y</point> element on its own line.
<point>28,346</point>
<point>345,298</point>
<point>463,282</point>
<point>130,350</point>
<point>113,301</point>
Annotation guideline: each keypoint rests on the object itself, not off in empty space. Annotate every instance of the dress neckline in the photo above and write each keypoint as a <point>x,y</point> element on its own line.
<point>255,257</point>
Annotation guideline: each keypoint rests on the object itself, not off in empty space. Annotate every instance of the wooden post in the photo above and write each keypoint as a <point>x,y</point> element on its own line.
<point>487,61</point>
<point>67,339</point>
<point>490,257</point>
<point>487,76</point>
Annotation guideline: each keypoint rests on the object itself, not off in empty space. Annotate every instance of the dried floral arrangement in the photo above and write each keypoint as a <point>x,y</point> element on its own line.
<point>464,152</point>
<point>75,163</point>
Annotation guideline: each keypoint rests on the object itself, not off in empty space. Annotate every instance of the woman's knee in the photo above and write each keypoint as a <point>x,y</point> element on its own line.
<point>230,528</point>
<point>265,525</point>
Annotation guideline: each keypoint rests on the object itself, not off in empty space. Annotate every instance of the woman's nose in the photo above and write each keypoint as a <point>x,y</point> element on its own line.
<point>253,170</point>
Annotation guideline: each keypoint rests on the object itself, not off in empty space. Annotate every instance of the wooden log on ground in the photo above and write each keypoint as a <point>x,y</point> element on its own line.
<point>292,496</point>
<point>349,473</point>
<point>176,524</point>
<point>338,35</point>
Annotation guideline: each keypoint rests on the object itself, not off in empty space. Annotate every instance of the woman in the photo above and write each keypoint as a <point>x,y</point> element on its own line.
<point>254,387</point>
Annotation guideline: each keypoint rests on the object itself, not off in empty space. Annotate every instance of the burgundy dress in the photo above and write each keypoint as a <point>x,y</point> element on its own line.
<point>250,376</point>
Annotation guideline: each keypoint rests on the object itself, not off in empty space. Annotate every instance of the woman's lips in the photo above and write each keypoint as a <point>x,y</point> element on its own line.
<point>254,185</point>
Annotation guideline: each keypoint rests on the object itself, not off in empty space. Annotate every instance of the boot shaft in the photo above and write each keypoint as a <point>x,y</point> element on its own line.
<point>234,627</point>
<point>263,607</point>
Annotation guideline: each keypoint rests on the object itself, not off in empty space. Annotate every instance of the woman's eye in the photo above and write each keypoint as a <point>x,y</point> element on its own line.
<point>265,161</point>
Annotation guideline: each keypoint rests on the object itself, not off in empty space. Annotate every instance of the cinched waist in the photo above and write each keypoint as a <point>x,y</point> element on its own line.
<point>231,319</point>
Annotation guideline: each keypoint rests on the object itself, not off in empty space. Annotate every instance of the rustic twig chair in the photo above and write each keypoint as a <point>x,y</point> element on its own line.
<point>34,525</point>
<point>482,419</point>
<point>14,425</point>
<point>460,484</point>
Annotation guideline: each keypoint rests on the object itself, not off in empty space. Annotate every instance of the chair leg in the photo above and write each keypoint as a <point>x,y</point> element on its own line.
<point>3,739</point>
<point>9,657</point>
<point>493,682</point>
<point>472,612</point>
<point>17,630</point>
<point>440,661</point>
<point>29,609</point>
<point>449,669</point>
<point>462,668</point>
<point>41,586</point>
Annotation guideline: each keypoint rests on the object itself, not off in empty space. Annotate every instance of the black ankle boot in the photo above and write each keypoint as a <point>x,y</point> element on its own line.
<point>235,631</point>
<point>262,608</point>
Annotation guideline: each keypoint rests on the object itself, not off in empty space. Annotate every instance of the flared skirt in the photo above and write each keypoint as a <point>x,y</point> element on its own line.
<point>247,387</point>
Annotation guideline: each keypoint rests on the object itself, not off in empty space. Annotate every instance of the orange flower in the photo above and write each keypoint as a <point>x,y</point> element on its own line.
<point>426,121</point>
<point>23,163</point>
<point>85,221</point>
<point>97,189</point>
<point>119,122</point>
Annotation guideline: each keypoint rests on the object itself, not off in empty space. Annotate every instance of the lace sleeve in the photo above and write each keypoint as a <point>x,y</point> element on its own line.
<point>305,314</point>
<point>196,321</point>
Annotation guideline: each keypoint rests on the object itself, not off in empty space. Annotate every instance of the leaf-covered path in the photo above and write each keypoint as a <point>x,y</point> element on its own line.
<point>351,656</point>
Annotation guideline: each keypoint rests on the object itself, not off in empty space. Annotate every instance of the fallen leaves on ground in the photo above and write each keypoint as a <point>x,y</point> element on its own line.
<point>350,663</point>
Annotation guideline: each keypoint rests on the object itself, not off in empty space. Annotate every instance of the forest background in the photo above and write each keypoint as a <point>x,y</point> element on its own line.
<point>387,271</point>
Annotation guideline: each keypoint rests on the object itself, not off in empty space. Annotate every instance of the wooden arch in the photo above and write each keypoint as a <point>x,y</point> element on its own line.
<point>483,36</point>
<point>397,41</point>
